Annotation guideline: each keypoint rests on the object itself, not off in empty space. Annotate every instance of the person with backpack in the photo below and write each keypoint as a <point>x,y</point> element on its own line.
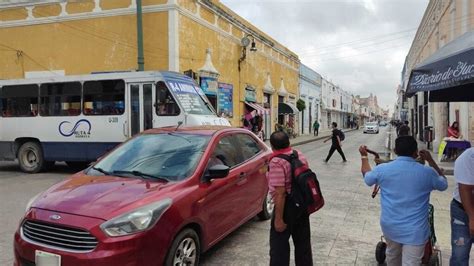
<point>336,137</point>
<point>285,168</point>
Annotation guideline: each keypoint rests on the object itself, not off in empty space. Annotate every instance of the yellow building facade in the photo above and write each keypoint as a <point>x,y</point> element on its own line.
<point>80,37</point>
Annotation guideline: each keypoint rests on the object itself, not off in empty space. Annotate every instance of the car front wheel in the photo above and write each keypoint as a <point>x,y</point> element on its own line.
<point>185,250</point>
<point>267,208</point>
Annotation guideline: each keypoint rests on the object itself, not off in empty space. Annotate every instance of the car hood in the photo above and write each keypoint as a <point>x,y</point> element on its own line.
<point>96,196</point>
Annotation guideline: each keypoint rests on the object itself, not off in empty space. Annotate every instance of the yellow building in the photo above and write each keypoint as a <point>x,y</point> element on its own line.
<point>80,37</point>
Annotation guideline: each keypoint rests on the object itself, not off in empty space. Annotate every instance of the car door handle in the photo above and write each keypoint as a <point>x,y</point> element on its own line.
<point>242,175</point>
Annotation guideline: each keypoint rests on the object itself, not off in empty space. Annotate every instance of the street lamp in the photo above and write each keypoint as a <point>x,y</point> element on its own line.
<point>249,39</point>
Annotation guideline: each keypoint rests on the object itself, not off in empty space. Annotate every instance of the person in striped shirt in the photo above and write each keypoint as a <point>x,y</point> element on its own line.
<point>279,185</point>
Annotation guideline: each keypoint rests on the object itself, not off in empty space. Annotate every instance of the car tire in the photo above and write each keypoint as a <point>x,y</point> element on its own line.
<point>77,165</point>
<point>30,156</point>
<point>267,208</point>
<point>185,249</point>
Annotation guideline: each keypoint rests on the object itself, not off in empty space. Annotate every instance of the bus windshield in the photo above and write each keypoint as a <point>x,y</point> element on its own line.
<point>192,99</point>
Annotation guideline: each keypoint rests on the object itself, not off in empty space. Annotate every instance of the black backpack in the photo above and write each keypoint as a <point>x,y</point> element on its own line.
<point>342,136</point>
<point>305,196</point>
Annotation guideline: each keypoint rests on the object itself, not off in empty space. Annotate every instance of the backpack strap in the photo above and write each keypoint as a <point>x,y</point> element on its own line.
<point>292,160</point>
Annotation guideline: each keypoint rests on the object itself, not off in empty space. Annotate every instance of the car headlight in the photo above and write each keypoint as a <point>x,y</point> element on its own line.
<point>137,220</point>
<point>30,202</point>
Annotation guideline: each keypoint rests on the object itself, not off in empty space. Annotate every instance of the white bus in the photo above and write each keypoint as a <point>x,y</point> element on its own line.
<point>76,119</point>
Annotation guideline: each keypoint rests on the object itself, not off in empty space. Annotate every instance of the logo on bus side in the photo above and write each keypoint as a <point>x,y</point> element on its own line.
<point>82,129</point>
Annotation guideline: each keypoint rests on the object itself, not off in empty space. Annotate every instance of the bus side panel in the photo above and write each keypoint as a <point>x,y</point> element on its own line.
<point>76,151</point>
<point>74,138</point>
<point>7,151</point>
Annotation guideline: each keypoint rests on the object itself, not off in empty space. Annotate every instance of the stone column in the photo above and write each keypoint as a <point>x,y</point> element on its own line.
<point>440,124</point>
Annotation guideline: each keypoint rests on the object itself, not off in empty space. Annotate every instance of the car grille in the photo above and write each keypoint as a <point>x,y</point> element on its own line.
<point>53,235</point>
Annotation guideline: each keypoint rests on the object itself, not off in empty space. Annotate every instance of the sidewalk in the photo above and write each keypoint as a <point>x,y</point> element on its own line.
<point>447,166</point>
<point>300,140</point>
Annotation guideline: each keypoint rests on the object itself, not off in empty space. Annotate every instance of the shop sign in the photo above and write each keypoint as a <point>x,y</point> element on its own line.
<point>225,106</point>
<point>209,85</point>
<point>250,95</point>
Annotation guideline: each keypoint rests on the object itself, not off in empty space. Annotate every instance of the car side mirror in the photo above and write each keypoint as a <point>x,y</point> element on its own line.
<point>217,171</point>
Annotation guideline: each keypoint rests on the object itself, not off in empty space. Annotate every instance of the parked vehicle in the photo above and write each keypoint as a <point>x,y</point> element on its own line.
<point>161,198</point>
<point>76,119</point>
<point>383,124</point>
<point>371,127</point>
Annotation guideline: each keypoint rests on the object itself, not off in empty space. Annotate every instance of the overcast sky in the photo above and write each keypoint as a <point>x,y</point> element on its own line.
<point>358,44</point>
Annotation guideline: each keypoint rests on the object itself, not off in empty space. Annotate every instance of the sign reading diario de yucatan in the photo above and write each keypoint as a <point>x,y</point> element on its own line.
<point>450,72</point>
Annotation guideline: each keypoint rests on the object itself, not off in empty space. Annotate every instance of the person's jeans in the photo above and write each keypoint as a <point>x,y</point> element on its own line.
<point>334,148</point>
<point>461,240</point>
<point>406,255</point>
<point>300,232</point>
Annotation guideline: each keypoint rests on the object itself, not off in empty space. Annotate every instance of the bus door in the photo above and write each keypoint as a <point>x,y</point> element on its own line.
<point>140,107</point>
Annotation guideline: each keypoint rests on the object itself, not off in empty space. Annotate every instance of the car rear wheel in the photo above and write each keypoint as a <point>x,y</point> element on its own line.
<point>185,250</point>
<point>267,208</point>
<point>30,157</point>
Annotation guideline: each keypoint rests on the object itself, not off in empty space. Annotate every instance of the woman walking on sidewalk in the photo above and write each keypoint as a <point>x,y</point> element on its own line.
<point>336,143</point>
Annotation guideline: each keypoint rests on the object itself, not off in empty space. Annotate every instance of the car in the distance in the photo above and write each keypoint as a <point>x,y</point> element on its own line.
<point>161,198</point>
<point>383,123</point>
<point>371,127</point>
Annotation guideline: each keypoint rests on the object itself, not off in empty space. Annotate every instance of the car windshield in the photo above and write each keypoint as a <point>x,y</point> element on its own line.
<point>371,124</point>
<point>169,156</point>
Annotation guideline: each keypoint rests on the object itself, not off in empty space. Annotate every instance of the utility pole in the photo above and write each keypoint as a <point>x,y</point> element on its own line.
<point>141,58</point>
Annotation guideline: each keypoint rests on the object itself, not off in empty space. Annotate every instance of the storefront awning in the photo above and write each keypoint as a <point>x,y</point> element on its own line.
<point>448,74</point>
<point>286,108</point>
<point>260,110</point>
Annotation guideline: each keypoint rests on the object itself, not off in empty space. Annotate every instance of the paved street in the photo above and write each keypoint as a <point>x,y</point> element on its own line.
<point>344,232</point>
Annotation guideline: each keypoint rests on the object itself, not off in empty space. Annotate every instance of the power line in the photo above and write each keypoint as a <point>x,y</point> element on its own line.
<point>441,24</point>
<point>322,59</point>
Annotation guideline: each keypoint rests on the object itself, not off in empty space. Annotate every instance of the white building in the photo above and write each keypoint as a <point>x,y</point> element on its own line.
<point>310,92</point>
<point>336,105</point>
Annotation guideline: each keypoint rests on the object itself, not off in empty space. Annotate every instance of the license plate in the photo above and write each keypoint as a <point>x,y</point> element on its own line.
<point>47,259</point>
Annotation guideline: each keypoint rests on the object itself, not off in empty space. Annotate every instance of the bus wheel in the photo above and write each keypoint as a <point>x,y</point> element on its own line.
<point>30,156</point>
<point>77,165</point>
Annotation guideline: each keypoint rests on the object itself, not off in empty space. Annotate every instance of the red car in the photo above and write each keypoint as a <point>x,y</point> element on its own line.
<point>161,198</point>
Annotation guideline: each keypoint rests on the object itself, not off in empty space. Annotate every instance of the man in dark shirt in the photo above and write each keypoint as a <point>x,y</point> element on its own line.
<point>404,130</point>
<point>336,143</point>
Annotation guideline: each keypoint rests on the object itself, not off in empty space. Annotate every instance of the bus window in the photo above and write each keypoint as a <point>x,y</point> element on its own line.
<point>19,100</point>
<point>104,97</point>
<point>60,99</point>
<point>191,98</point>
<point>165,103</point>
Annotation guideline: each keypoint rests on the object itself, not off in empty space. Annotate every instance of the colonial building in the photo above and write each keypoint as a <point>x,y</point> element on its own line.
<point>336,105</point>
<point>238,66</point>
<point>370,108</point>
<point>310,93</point>
<point>442,23</point>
